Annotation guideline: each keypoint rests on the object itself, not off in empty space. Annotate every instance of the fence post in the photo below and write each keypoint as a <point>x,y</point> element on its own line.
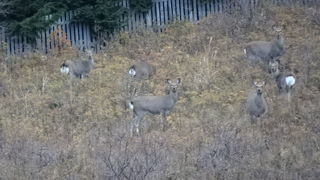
<point>169,11</point>
<point>148,18</point>
<point>2,38</point>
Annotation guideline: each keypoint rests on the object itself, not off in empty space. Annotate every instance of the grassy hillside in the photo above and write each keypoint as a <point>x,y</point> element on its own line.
<point>52,127</point>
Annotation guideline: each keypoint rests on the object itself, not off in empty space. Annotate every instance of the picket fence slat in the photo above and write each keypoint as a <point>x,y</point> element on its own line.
<point>190,11</point>
<point>165,12</point>
<point>177,9</point>
<point>173,9</point>
<point>181,10</point>
<point>161,13</point>
<point>169,10</point>
<point>208,8</point>
<point>133,20</point>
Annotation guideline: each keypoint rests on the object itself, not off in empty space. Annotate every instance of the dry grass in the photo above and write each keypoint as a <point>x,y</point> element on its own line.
<point>54,128</point>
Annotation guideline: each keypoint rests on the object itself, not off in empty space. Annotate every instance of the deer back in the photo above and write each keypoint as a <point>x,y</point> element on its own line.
<point>277,47</point>
<point>260,49</point>
<point>141,70</point>
<point>157,104</point>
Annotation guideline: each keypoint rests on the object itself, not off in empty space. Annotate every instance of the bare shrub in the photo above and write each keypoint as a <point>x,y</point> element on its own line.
<point>51,131</point>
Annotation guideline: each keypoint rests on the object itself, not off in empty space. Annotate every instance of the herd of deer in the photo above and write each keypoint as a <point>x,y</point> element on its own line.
<point>263,53</point>
<point>268,55</point>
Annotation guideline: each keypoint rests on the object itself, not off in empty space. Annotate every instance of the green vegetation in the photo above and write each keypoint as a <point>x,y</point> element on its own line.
<point>55,128</point>
<point>27,17</point>
<point>140,5</point>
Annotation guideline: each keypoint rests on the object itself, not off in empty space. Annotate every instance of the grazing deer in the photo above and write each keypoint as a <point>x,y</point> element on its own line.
<point>141,70</point>
<point>256,103</point>
<point>284,82</point>
<point>78,69</point>
<point>141,105</point>
<point>265,51</point>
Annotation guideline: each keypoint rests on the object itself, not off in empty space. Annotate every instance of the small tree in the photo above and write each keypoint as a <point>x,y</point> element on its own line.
<point>4,7</point>
<point>27,17</point>
<point>103,16</point>
<point>140,5</point>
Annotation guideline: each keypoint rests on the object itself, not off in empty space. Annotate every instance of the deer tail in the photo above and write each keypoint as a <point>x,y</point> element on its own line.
<point>130,104</point>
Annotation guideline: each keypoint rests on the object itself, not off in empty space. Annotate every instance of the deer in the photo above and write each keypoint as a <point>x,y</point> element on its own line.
<point>256,103</point>
<point>142,105</point>
<point>285,82</point>
<point>265,51</point>
<point>141,70</point>
<point>78,69</point>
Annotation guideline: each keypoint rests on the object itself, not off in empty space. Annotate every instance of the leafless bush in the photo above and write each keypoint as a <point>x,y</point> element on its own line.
<point>314,14</point>
<point>46,134</point>
<point>21,156</point>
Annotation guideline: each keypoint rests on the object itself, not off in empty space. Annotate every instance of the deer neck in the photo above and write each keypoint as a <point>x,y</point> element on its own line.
<point>91,60</point>
<point>277,76</point>
<point>173,96</point>
<point>278,43</point>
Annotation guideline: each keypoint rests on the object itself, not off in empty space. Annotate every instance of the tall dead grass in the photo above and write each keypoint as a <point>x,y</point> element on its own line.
<point>55,128</point>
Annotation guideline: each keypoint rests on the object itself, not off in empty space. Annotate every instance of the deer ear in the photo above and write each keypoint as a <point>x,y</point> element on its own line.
<point>179,80</point>
<point>168,81</point>
<point>259,84</point>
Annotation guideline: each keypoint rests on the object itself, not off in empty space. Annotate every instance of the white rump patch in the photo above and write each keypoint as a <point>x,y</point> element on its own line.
<point>130,105</point>
<point>290,81</point>
<point>64,70</point>
<point>132,72</point>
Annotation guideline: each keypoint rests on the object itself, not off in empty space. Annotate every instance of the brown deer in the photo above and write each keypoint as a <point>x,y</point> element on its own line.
<point>142,105</point>
<point>256,103</point>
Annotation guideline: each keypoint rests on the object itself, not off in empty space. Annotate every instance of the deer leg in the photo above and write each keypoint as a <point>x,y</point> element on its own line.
<point>137,128</point>
<point>138,119</point>
<point>253,119</point>
<point>134,124</point>
<point>287,89</point>
<point>137,124</point>
<point>163,117</point>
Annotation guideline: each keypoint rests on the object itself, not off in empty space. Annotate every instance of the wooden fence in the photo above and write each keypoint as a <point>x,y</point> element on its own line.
<point>161,13</point>
<point>77,34</point>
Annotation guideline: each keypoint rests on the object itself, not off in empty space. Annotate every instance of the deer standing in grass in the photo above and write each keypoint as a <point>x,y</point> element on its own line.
<point>265,51</point>
<point>78,69</point>
<point>285,82</point>
<point>142,105</point>
<point>141,70</point>
<point>138,72</point>
<point>256,103</point>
